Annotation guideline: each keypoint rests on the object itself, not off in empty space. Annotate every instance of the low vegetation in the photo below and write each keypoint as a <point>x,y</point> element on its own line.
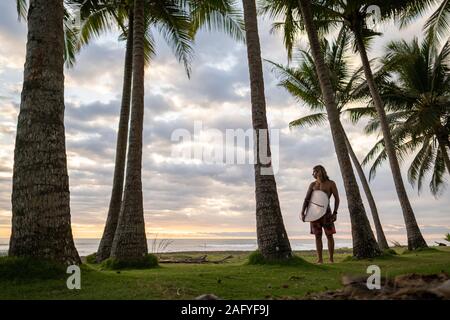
<point>242,277</point>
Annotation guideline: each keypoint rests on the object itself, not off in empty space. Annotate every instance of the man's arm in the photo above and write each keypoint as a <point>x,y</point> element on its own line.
<point>306,202</point>
<point>335,193</point>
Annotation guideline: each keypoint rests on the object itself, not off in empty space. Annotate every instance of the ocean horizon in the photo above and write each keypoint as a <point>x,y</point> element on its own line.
<point>89,246</point>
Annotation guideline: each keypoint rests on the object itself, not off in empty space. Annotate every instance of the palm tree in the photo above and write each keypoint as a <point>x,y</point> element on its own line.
<point>95,19</point>
<point>298,17</point>
<point>417,97</point>
<point>41,224</point>
<point>364,244</point>
<point>354,15</point>
<point>302,82</point>
<point>437,25</point>
<point>130,240</point>
<point>273,241</point>
<point>172,19</point>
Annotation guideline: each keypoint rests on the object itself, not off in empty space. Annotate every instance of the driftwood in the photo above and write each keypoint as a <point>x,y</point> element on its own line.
<point>198,260</point>
<point>440,244</point>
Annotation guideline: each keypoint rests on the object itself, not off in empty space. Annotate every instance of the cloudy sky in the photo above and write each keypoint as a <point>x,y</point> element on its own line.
<point>185,198</point>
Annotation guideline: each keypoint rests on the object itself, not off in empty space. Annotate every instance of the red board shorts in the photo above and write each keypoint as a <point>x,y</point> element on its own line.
<point>326,223</point>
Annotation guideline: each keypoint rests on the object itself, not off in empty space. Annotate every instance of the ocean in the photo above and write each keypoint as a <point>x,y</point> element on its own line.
<point>88,246</point>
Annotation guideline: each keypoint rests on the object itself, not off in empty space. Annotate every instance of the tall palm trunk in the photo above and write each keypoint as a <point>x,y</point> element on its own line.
<point>273,242</point>
<point>104,249</point>
<point>415,238</point>
<point>40,196</point>
<point>130,241</point>
<point>382,242</point>
<point>364,244</point>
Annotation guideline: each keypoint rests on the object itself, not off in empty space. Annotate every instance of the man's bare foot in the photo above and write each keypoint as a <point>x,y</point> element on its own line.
<point>331,260</point>
<point>319,262</point>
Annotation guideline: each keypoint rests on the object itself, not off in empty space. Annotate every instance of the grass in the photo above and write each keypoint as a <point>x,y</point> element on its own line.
<point>235,279</point>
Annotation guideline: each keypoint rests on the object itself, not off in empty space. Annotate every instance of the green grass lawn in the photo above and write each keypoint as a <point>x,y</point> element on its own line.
<point>231,280</point>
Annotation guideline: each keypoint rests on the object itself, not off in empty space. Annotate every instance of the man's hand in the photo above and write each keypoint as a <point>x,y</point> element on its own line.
<point>334,216</point>
<point>303,216</point>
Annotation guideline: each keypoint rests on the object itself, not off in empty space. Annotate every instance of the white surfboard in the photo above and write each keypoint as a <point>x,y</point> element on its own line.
<point>318,206</point>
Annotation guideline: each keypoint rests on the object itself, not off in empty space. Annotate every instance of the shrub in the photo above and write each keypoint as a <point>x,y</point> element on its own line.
<point>256,258</point>
<point>92,258</point>
<point>146,262</point>
<point>389,251</point>
<point>16,268</point>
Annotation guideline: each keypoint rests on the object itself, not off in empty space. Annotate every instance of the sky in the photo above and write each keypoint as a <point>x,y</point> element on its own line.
<point>185,198</point>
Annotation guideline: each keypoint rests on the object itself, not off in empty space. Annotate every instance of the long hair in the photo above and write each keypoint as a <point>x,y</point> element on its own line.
<point>323,172</point>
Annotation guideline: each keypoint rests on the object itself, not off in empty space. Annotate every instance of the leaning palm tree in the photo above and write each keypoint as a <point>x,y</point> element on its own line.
<point>41,224</point>
<point>354,14</point>
<point>302,83</point>
<point>299,17</point>
<point>417,97</point>
<point>273,241</point>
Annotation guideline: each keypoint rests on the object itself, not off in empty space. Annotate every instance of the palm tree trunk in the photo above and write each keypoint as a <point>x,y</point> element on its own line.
<point>41,225</point>
<point>364,244</point>
<point>273,242</point>
<point>382,242</point>
<point>130,241</point>
<point>415,238</point>
<point>104,249</point>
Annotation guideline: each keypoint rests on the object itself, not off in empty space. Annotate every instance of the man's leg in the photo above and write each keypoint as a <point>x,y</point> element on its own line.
<point>331,247</point>
<point>319,247</point>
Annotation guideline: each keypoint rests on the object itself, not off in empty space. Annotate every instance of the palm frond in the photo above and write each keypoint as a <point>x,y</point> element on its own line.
<point>22,9</point>
<point>217,15</point>
<point>309,121</point>
<point>356,114</point>
<point>174,24</point>
<point>438,183</point>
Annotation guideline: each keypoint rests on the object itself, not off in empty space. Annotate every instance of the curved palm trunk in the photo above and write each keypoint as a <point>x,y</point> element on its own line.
<point>273,242</point>
<point>104,249</point>
<point>130,241</point>
<point>415,238</point>
<point>364,244</point>
<point>382,242</point>
<point>40,197</point>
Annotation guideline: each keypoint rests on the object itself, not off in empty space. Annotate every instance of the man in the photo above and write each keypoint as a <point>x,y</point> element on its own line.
<point>326,223</point>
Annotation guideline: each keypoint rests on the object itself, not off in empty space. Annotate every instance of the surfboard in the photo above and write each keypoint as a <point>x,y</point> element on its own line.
<point>317,207</point>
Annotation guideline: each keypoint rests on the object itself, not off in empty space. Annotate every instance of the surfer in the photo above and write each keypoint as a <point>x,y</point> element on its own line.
<point>326,222</point>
